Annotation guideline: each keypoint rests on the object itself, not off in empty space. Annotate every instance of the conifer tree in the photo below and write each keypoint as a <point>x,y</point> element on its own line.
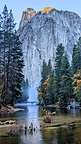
<point>58,64</point>
<point>41,89</point>
<point>76,57</point>
<point>66,89</point>
<point>5,51</point>
<point>52,90</point>
<point>17,65</point>
<point>1,57</point>
<point>11,62</point>
<point>1,45</point>
<point>50,71</point>
<point>76,67</point>
<point>46,91</point>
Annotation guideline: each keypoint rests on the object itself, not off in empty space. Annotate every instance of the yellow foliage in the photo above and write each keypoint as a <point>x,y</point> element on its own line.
<point>78,83</point>
<point>46,81</point>
<point>77,75</point>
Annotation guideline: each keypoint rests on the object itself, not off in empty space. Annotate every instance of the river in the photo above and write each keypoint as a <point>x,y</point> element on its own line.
<point>45,136</point>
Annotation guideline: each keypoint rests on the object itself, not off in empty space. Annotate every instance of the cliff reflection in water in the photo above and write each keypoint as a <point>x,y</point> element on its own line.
<point>71,135</point>
<point>50,136</point>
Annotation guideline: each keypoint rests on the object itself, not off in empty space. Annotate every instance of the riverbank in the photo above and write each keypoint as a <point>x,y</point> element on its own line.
<point>6,130</point>
<point>12,123</point>
<point>58,121</point>
<point>61,121</point>
<point>5,110</point>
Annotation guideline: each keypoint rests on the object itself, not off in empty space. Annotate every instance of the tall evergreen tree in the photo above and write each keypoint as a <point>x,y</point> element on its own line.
<point>58,60</point>
<point>11,26</point>
<point>44,73</point>
<point>11,59</point>
<point>47,72</point>
<point>5,51</point>
<point>66,89</point>
<point>1,45</point>
<point>76,67</point>
<point>76,64</point>
<point>58,64</point>
<point>17,65</point>
<point>1,57</point>
<point>51,90</point>
<point>42,89</point>
<point>50,71</point>
<point>1,40</point>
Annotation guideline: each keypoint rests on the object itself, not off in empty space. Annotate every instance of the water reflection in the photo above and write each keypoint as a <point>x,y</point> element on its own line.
<point>10,140</point>
<point>69,136</point>
<point>49,136</point>
<point>65,136</point>
<point>45,136</point>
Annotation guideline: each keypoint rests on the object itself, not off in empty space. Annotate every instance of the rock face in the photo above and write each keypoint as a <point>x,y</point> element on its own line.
<point>27,16</point>
<point>40,34</point>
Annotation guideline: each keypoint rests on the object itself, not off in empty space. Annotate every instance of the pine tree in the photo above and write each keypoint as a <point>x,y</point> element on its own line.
<point>11,62</point>
<point>58,64</point>
<point>52,90</point>
<point>58,60</point>
<point>5,51</point>
<point>1,40</point>
<point>76,67</point>
<point>41,89</point>
<point>66,89</point>
<point>44,73</point>
<point>1,57</point>
<point>16,69</point>
<point>46,89</point>
<point>10,32</point>
<point>1,46</point>
<point>76,64</point>
<point>50,71</point>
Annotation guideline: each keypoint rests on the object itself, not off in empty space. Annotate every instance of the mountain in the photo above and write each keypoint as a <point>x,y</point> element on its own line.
<point>41,32</point>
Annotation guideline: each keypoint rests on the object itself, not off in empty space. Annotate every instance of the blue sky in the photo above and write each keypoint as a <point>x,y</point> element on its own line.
<point>19,5</point>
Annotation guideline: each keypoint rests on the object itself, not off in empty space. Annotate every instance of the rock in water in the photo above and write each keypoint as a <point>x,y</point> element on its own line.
<point>40,34</point>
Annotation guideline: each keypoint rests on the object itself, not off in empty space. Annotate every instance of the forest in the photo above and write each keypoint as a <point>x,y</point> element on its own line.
<point>62,83</point>
<point>58,84</point>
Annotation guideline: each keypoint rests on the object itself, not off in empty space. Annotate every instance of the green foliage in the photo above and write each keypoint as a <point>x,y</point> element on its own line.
<point>44,72</point>
<point>58,65</point>
<point>76,67</point>
<point>11,59</point>
<point>56,86</point>
<point>52,90</point>
<point>77,85</point>
<point>76,57</point>
<point>66,89</point>
<point>58,60</point>
<point>45,90</point>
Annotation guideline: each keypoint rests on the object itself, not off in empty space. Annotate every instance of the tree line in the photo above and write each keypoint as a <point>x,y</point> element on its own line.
<point>63,82</point>
<point>11,59</point>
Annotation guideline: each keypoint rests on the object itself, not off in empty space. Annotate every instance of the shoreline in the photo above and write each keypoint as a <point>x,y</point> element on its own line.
<point>68,122</point>
<point>5,130</point>
<point>61,121</point>
<point>72,124</point>
<point>6,110</point>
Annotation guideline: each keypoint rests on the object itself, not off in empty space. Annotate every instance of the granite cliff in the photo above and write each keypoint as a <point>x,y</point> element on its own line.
<point>41,32</point>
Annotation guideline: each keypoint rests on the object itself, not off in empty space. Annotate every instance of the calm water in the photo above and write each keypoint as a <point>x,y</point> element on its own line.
<point>49,136</point>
